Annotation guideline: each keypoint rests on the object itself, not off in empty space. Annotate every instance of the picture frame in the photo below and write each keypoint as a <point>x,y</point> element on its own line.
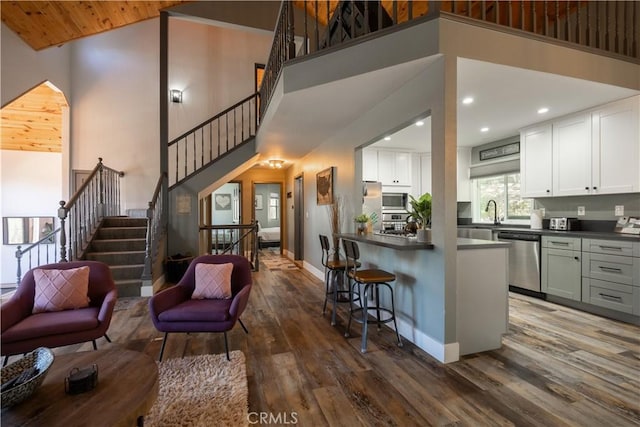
<point>222,202</point>
<point>258,202</point>
<point>324,186</point>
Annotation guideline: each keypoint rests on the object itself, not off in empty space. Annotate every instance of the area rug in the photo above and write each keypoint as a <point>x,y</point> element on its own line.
<point>275,264</point>
<point>206,390</point>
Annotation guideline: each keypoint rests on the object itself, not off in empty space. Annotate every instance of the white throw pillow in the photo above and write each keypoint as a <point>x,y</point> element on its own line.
<point>58,290</point>
<point>213,281</point>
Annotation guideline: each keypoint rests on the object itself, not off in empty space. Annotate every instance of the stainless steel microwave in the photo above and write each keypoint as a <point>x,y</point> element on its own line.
<point>394,201</point>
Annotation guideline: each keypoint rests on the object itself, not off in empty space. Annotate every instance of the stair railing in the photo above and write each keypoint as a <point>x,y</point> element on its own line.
<point>155,227</point>
<point>38,253</point>
<point>97,197</point>
<point>199,147</point>
<point>236,239</point>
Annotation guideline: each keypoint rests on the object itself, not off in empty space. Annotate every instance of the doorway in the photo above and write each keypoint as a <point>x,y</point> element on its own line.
<point>298,218</point>
<point>222,207</point>
<point>267,212</point>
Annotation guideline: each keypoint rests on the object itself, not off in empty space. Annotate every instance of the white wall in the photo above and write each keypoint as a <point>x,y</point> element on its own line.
<point>23,68</point>
<point>114,107</point>
<point>31,186</point>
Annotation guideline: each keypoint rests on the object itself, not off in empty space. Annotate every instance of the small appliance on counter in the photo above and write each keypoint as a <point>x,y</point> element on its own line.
<point>564,224</point>
<point>536,219</point>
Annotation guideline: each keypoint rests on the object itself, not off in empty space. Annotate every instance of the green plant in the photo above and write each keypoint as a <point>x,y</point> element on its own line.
<point>362,218</point>
<point>421,210</point>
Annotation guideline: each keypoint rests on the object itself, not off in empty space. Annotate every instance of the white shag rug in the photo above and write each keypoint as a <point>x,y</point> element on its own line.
<point>206,390</point>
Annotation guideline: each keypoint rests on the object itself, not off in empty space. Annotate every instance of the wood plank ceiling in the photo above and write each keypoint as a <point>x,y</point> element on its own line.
<point>43,24</point>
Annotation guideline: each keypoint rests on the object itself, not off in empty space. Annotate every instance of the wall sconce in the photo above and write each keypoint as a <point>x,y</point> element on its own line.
<point>176,95</point>
<point>276,164</point>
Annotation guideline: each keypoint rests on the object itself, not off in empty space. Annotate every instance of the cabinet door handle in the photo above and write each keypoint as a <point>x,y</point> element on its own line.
<point>586,188</point>
<point>559,243</point>
<point>610,248</point>
<point>548,191</point>
<point>595,188</point>
<point>610,297</point>
<point>576,258</point>
<point>611,269</point>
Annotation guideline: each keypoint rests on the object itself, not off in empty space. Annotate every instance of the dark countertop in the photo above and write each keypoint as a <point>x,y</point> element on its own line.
<point>546,232</point>
<point>388,241</point>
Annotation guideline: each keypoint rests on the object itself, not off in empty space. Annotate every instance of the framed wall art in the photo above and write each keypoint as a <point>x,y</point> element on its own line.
<point>324,186</point>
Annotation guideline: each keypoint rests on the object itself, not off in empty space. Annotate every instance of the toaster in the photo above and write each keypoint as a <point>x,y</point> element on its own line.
<point>564,223</point>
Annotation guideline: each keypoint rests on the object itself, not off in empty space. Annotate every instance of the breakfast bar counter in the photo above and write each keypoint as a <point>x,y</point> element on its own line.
<point>398,242</point>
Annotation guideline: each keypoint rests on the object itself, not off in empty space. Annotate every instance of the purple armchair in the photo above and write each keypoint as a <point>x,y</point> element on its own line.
<point>23,331</point>
<point>173,310</point>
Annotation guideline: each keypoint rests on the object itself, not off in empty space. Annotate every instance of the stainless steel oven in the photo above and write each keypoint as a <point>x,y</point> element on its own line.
<point>394,201</point>
<point>524,259</point>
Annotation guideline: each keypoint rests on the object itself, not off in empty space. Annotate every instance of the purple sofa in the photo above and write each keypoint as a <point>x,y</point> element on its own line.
<point>173,310</point>
<point>23,331</point>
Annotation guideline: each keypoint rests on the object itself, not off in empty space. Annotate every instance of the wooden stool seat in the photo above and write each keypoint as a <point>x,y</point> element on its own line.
<point>372,276</point>
<point>340,264</point>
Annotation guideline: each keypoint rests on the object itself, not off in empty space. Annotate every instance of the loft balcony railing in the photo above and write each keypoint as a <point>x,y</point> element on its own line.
<point>603,27</point>
<point>235,239</point>
<point>199,147</point>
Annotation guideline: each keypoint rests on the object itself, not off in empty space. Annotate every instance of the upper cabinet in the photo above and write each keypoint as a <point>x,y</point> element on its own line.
<point>394,168</point>
<point>572,156</point>
<point>535,161</point>
<point>616,148</point>
<point>369,164</point>
<point>594,152</point>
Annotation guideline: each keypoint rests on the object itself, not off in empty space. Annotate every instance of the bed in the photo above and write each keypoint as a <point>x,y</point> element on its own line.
<point>268,237</point>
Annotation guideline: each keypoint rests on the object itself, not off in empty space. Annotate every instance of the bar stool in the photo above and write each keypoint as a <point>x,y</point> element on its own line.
<point>331,269</point>
<point>373,280</point>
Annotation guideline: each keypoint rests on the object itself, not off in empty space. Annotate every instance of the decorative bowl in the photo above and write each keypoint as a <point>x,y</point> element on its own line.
<point>41,358</point>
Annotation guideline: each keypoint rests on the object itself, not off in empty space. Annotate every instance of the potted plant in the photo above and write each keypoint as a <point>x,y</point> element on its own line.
<point>421,213</point>
<point>361,223</point>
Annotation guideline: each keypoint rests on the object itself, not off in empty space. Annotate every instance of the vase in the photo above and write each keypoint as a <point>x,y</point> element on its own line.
<point>423,235</point>
<point>361,228</point>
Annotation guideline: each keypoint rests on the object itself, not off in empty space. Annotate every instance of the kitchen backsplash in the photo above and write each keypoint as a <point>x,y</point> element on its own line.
<point>596,207</point>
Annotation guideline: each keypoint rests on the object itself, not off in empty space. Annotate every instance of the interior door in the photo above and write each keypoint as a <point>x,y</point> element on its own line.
<point>298,220</point>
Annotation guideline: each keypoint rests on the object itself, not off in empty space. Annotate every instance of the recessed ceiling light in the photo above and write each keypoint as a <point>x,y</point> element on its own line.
<point>484,129</point>
<point>419,123</point>
<point>387,138</point>
<point>543,110</point>
<point>467,100</point>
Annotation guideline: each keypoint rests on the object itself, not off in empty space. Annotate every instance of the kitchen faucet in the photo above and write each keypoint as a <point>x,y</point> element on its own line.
<point>495,211</point>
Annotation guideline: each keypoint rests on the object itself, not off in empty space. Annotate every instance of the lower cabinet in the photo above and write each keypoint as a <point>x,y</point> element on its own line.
<point>562,267</point>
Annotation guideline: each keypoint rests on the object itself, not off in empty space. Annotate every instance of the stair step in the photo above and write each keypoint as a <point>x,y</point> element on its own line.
<point>124,221</point>
<point>127,272</point>
<point>128,288</point>
<point>118,258</point>
<point>118,245</point>
<point>106,233</point>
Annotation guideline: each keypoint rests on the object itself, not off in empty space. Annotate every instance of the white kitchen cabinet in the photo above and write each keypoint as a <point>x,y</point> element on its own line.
<point>425,173</point>
<point>394,168</point>
<point>535,161</point>
<point>369,164</point>
<point>464,183</point>
<point>616,148</point>
<point>572,156</point>
<point>561,267</point>
<point>593,152</point>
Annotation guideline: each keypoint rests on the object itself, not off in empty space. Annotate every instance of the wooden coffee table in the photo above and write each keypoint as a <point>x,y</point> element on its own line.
<point>127,388</point>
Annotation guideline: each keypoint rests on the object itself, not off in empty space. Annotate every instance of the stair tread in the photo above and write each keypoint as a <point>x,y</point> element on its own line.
<point>109,227</point>
<point>114,252</point>
<point>127,281</point>
<point>126,265</point>
<point>127,239</point>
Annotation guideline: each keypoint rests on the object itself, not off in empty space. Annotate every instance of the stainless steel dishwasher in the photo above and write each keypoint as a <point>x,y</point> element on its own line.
<point>524,259</point>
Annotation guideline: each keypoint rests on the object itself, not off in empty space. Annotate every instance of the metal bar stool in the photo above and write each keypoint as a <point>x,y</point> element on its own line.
<point>372,279</point>
<point>331,269</point>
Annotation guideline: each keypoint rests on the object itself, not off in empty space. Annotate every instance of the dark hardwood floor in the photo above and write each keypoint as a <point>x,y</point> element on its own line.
<point>557,366</point>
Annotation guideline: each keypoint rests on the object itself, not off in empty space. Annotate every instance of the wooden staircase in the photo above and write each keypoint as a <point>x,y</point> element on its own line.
<point>120,242</point>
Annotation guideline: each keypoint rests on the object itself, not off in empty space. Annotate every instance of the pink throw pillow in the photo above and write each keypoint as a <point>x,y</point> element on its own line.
<point>213,281</point>
<point>58,290</point>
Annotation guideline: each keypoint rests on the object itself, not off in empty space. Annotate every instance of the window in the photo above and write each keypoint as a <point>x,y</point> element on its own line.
<point>505,190</point>
<point>274,206</point>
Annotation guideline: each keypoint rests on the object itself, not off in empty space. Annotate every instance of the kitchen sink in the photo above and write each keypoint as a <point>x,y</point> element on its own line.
<point>475,233</point>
